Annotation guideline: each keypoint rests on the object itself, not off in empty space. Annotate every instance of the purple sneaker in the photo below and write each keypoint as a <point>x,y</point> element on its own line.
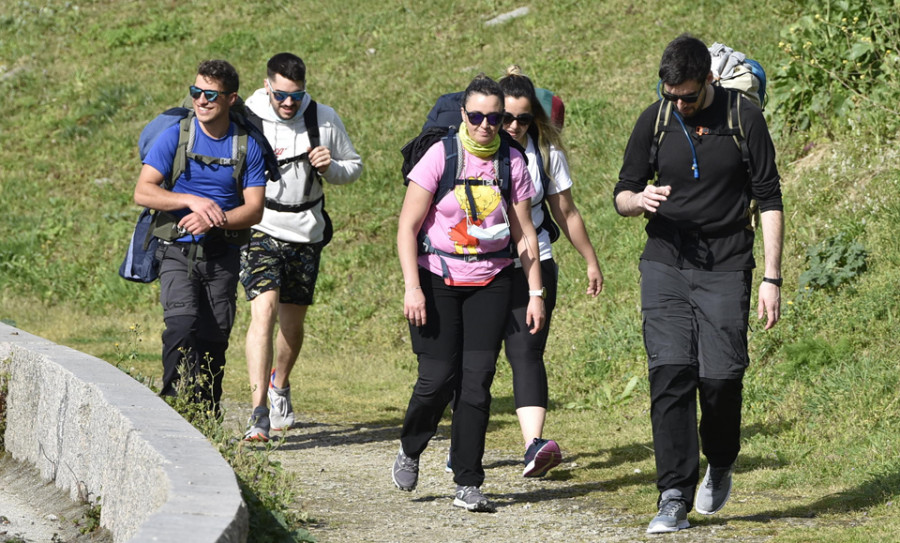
<point>542,456</point>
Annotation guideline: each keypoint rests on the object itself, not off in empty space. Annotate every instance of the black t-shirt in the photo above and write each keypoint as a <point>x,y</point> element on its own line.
<point>702,223</point>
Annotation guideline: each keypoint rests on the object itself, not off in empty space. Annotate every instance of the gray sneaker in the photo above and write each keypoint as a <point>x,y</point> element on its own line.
<point>405,472</point>
<point>282,410</point>
<point>471,499</point>
<point>672,517</point>
<point>714,490</point>
<point>259,425</point>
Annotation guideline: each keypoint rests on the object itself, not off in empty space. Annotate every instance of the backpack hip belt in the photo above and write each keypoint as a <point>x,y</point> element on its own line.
<point>292,208</point>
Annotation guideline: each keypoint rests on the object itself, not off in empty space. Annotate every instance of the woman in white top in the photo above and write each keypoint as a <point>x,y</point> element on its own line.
<point>526,121</point>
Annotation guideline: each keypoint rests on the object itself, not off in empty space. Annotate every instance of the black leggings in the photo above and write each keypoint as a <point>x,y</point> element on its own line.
<point>457,352</point>
<point>525,351</point>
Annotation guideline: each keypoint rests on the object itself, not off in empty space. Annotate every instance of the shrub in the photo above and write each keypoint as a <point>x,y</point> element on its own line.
<point>842,68</point>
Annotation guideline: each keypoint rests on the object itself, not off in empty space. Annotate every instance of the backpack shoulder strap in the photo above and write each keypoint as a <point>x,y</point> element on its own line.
<point>311,119</point>
<point>502,164</point>
<point>545,179</point>
<point>453,164</point>
<point>185,145</point>
<point>663,115</point>
<point>735,124</point>
<point>239,144</point>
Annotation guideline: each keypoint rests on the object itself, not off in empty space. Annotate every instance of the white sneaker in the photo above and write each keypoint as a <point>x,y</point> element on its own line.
<point>281,410</point>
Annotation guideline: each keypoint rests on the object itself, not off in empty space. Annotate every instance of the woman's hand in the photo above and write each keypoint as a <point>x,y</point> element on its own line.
<point>414,306</point>
<point>595,280</point>
<point>535,317</point>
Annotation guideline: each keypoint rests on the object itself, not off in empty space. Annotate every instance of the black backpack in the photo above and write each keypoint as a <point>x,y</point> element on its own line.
<point>311,119</point>
<point>445,113</point>
<point>414,150</point>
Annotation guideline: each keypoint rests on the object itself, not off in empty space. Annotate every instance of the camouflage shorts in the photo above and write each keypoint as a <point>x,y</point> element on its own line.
<point>292,268</point>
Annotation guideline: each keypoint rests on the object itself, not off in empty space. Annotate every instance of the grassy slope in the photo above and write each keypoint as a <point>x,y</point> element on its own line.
<point>821,412</point>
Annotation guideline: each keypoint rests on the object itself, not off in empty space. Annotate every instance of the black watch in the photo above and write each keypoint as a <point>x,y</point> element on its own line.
<point>776,282</point>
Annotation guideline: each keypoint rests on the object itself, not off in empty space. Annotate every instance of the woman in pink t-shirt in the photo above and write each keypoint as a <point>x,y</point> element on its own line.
<point>458,294</point>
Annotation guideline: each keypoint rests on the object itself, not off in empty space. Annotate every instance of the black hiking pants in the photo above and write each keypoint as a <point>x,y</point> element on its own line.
<point>695,333</point>
<point>199,313</point>
<point>457,352</point>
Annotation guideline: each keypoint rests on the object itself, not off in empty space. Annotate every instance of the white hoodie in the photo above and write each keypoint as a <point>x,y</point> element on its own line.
<point>288,139</point>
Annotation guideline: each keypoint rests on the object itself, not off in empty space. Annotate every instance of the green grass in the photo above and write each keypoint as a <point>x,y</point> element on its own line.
<point>80,80</point>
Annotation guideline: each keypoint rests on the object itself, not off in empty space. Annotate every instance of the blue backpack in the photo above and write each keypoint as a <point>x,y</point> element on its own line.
<point>140,264</point>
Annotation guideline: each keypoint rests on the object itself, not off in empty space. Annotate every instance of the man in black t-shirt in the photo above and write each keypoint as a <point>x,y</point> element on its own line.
<point>696,272</point>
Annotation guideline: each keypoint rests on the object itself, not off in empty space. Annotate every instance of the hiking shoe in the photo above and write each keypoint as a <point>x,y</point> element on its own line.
<point>542,456</point>
<point>405,472</point>
<point>714,490</point>
<point>259,425</point>
<point>471,499</point>
<point>672,517</point>
<point>282,411</point>
<point>448,468</point>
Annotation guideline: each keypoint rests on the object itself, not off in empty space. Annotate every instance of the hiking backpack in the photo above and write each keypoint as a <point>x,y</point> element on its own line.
<point>733,70</point>
<point>311,120</point>
<point>745,79</point>
<point>140,264</point>
<point>453,164</point>
<point>445,113</point>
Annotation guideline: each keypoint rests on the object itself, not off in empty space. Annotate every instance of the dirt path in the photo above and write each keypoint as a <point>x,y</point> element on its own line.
<point>344,473</point>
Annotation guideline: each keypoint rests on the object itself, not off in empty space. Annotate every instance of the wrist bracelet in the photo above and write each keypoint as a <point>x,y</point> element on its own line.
<point>777,282</point>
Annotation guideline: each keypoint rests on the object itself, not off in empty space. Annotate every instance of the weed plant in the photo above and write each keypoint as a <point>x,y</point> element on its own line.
<point>821,399</point>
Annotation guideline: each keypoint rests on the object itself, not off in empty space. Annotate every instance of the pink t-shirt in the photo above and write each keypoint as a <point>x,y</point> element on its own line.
<point>446,224</point>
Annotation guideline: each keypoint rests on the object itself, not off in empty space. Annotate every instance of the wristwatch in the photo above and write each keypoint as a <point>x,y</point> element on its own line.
<point>542,293</point>
<point>776,282</point>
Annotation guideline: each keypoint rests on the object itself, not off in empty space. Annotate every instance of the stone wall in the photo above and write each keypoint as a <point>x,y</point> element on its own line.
<point>98,433</point>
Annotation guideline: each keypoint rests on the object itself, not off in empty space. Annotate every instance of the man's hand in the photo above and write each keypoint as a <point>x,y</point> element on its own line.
<point>769,304</point>
<point>319,158</point>
<point>650,198</point>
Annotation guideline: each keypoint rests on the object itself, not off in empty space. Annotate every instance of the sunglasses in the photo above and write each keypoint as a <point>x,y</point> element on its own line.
<point>686,98</point>
<point>477,117</point>
<point>281,96</point>
<point>211,95</point>
<point>522,118</point>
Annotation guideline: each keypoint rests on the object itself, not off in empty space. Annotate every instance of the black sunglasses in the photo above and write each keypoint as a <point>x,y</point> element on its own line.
<point>686,98</point>
<point>477,117</point>
<point>211,95</point>
<point>522,118</point>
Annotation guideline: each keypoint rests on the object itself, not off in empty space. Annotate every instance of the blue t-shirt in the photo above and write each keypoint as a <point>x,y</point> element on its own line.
<point>213,181</point>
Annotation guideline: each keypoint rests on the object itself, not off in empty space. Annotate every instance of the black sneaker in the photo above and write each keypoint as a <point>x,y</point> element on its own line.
<point>471,499</point>
<point>405,472</point>
<point>672,517</point>
<point>542,456</point>
<point>714,490</point>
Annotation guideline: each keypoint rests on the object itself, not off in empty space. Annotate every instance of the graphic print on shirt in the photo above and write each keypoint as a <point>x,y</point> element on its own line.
<point>486,201</point>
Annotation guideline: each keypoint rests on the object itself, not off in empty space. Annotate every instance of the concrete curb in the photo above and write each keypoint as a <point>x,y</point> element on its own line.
<point>97,432</point>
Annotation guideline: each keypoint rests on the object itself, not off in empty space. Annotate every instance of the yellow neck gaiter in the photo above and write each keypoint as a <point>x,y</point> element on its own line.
<point>477,149</point>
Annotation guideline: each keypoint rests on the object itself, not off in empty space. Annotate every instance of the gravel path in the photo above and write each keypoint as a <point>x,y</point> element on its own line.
<point>343,470</point>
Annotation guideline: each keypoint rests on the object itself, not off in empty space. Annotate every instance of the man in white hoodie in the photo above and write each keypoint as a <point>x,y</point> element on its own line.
<point>280,265</point>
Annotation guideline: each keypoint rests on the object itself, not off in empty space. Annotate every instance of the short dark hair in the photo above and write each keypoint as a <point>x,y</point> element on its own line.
<point>221,71</point>
<point>287,65</point>
<point>685,59</point>
<point>483,84</point>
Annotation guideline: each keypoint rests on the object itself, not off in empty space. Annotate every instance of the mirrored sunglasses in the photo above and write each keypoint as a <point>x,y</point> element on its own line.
<point>211,95</point>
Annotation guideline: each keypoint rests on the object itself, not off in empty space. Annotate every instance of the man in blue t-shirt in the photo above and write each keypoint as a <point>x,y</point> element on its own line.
<point>199,270</point>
